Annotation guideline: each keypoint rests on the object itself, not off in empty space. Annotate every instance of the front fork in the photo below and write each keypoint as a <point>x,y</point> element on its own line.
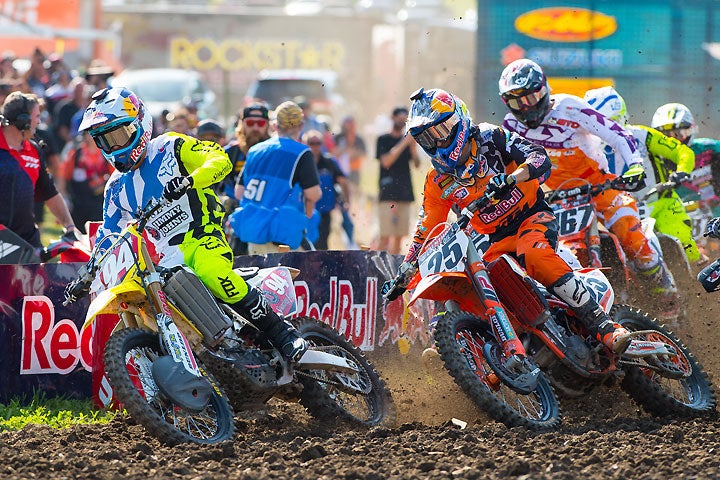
<point>498,319</point>
<point>175,343</point>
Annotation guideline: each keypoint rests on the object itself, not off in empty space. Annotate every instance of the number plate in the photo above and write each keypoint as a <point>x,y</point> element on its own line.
<point>574,219</point>
<point>445,255</point>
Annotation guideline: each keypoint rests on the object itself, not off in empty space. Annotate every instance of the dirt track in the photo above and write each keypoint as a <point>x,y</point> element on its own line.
<point>605,436</point>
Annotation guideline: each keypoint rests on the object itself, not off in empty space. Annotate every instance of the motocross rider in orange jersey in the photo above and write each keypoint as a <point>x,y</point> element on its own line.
<point>568,127</point>
<point>469,160</point>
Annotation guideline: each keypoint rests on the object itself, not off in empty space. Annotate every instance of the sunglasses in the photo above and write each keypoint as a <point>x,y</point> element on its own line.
<point>119,136</point>
<point>314,142</point>
<point>434,134</point>
<point>255,122</point>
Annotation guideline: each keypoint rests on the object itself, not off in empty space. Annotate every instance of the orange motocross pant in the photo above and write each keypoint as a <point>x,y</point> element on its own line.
<point>619,213</point>
<point>534,245</point>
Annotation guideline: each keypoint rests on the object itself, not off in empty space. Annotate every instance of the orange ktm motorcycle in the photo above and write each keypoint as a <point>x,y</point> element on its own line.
<point>510,344</point>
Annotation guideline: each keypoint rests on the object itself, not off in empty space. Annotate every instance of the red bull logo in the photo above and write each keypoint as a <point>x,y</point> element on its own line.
<point>442,102</point>
<point>49,346</point>
<point>502,207</point>
<point>356,321</point>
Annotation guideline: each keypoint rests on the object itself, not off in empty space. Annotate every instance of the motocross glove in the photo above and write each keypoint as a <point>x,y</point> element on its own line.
<point>76,289</point>
<point>392,289</point>
<point>177,187</point>
<point>500,184</point>
<point>712,229</point>
<point>634,177</point>
<point>679,178</point>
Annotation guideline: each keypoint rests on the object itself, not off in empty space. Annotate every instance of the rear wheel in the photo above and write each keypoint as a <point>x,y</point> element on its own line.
<point>129,354</point>
<point>460,339</point>
<point>671,385</point>
<point>360,397</point>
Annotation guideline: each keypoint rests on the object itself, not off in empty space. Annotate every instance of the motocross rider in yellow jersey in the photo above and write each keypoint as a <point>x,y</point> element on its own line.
<point>659,152</point>
<point>187,230</point>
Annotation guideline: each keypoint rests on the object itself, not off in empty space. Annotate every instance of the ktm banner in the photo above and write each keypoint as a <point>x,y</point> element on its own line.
<point>43,346</point>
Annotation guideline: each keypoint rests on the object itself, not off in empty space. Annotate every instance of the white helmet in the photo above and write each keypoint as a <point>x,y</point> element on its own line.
<point>608,101</point>
<point>675,120</point>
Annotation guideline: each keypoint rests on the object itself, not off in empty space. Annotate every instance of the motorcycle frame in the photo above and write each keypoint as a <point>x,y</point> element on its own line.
<point>459,287</point>
<point>140,302</point>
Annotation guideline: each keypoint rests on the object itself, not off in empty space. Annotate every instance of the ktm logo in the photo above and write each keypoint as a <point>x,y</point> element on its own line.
<point>567,123</point>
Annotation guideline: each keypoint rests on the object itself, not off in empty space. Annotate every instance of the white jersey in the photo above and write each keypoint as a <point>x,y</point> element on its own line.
<point>573,134</point>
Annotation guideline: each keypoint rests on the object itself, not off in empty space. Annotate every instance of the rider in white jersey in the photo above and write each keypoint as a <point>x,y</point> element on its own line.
<point>571,131</point>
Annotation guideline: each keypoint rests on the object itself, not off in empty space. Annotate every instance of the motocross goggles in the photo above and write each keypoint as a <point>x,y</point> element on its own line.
<point>114,138</point>
<point>516,100</point>
<point>679,133</point>
<point>434,134</point>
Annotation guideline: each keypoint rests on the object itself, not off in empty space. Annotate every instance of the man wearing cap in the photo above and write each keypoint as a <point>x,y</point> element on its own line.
<point>279,188</point>
<point>252,128</point>
<point>210,130</point>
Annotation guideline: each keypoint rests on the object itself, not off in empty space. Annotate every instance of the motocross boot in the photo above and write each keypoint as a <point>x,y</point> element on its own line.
<point>282,335</point>
<point>571,289</point>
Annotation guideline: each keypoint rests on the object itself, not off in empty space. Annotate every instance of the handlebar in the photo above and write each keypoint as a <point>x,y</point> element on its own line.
<point>589,189</point>
<point>468,212</point>
<point>147,212</point>
<point>659,188</point>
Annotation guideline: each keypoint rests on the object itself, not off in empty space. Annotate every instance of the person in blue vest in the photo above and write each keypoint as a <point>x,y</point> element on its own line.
<point>332,179</point>
<point>279,188</point>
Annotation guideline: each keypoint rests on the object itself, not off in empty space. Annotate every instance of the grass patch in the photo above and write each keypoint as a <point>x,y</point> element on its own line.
<point>50,229</point>
<point>54,412</point>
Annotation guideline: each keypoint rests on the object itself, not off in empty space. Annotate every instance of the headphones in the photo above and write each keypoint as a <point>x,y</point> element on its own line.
<point>22,120</point>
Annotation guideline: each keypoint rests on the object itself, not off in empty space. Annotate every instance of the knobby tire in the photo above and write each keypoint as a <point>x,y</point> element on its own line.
<point>446,338</point>
<point>328,403</point>
<point>214,424</point>
<point>695,394</point>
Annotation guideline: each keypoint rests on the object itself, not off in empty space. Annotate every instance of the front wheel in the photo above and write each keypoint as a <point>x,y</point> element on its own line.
<point>129,354</point>
<point>460,339</point>
<point>685,391</point>
<point>325,395</point>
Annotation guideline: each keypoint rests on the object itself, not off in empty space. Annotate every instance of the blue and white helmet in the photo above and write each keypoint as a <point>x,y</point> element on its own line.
<point>121,127</point>
<point>436,118</point>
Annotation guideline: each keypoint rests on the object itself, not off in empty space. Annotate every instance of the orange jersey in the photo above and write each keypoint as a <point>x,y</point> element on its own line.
<point>498,151</point>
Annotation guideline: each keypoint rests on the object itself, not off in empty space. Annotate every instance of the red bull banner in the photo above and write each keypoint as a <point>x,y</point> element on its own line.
<point>46,349</point>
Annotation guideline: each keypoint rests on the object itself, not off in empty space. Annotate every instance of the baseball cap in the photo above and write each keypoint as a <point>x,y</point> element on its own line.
<point>256,110</point>
<point>210,127</point>
<point>288,115</point>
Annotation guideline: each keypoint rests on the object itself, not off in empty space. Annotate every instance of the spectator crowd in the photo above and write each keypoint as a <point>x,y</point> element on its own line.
<point>80,172</point>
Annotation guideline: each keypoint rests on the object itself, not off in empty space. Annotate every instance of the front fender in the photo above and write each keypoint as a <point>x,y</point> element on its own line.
<point>448,286</point>
<point>107,301</point>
